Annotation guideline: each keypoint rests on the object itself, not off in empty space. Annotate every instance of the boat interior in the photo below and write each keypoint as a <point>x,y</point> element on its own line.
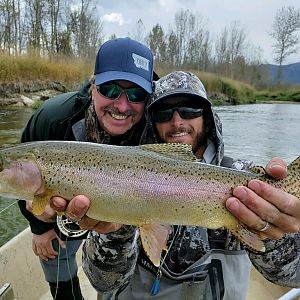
<point>21,276</point>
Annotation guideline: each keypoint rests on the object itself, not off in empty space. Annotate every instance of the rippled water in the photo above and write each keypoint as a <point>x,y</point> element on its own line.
<point>257,132</point>
<point>261,131</point>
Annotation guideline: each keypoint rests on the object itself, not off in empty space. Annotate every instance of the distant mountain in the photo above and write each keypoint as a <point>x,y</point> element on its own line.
<point>290,73</point>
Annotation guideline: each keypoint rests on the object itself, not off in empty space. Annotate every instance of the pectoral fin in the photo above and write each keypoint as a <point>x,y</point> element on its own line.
<point>39,203</point>
<point>154,239</point>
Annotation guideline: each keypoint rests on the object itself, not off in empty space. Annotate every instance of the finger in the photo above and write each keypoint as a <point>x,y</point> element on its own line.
<point>107,227</point>
<point>283,201</point>
<point>87,223</point>
<point>272,232</point>
<point>49,251</point>
<point>58,203</point>
<point>252,220</point>
<point>99,226</point>
<point>77,207</point>
<point>45,258</point>
<point>42,253</point>
<point>277,168</point>
<point>265,210</point>
<point>242,213</point>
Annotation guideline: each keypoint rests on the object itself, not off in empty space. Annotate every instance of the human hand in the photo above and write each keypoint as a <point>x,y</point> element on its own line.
<point>76,210</point>
<point>42,244</point>
<point>260,203</point>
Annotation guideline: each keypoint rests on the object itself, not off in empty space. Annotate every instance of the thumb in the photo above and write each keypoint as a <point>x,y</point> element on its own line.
<point>77,207</point>
<point>277,168</point>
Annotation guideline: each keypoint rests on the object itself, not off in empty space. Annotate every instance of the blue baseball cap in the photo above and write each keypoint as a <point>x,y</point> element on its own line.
<point>124,59</point>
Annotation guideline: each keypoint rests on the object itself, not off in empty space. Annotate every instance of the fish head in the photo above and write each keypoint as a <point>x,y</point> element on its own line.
<point>20,178</point>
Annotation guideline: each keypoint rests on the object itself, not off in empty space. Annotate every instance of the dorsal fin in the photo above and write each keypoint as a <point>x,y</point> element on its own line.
<point>258,170</point>
<point>172,150</point>
<point>293,178</point>
<point>295,165</point>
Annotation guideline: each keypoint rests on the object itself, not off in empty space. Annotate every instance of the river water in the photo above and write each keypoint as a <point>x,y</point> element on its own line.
<point>256,132</point>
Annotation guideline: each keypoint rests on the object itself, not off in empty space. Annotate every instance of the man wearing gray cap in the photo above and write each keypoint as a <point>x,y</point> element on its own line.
<point>199,263</point>
<point>109,109</point>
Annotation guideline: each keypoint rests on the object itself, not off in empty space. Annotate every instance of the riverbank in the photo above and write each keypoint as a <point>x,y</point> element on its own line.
<point>30,93</point>
<point>46,78</point>
<point>220,92</point>
<point>33,93</point>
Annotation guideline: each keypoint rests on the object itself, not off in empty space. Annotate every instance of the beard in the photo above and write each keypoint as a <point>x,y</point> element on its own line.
<point>201,141</point>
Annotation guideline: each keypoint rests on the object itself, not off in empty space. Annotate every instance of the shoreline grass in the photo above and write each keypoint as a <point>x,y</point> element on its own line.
<point>29,67</point>
<point>68,71</point>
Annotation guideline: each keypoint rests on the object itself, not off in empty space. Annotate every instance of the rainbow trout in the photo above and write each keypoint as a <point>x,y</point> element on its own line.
<point>150,186</point>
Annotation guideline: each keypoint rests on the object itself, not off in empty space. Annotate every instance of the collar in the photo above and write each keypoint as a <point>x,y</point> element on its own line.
<point>79,131</point>
<point>209,155</point>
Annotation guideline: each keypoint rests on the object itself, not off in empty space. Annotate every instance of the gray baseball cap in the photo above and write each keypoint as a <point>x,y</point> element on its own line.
<point>176,84</point>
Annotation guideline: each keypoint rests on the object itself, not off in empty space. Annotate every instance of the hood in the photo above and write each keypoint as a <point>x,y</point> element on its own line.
<point>183,83</point>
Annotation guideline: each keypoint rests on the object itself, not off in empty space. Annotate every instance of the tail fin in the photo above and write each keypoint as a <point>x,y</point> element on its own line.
<point>293,179</point>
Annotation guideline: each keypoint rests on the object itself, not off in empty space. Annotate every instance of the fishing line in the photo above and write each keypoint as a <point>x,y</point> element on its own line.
<point>58,266</point>
<point>5,208</point>
<point>156,283</point>
<point>69,271</point>
<point>58,269</point>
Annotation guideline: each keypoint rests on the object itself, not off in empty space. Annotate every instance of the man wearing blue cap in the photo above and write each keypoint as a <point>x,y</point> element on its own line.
<point>108,109</point>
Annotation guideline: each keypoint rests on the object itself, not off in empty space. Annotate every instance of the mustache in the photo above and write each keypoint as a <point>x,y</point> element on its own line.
<point>113,110</point>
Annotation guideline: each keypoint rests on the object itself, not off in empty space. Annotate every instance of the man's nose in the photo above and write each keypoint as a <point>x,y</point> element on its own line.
<point>122,103</point>
<point>176,119</point>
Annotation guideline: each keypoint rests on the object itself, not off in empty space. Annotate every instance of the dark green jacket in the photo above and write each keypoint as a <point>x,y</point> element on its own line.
<point>54,119</point>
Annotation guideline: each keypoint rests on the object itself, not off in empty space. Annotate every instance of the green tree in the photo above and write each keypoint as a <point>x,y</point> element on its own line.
<point>156,42</point>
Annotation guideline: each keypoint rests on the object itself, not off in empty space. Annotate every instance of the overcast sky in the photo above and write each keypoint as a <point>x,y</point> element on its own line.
<point>255,16</point>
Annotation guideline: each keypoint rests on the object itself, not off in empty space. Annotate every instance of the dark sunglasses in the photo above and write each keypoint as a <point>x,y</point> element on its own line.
<point>184,112</point>
<point>113,91</point>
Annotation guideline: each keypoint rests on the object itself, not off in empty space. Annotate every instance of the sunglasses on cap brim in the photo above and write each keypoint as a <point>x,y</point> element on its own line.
<point>113,91</point>
<point>160,116</point>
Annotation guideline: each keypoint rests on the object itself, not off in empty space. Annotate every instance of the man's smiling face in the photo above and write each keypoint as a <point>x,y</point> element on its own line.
<point>116,117</point>
<point>179,130</point>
